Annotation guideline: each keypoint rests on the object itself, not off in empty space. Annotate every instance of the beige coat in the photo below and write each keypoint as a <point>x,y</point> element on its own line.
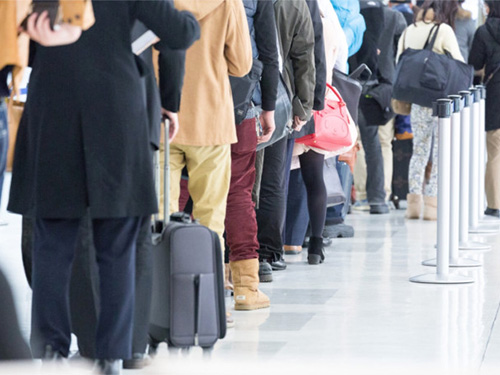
<point>206,116</point>
<point>14,49</point>
<point>416,34</point>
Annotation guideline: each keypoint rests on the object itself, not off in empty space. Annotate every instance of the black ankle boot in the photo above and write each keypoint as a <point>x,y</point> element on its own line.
<point>51,354</point>
<point>315,252</point>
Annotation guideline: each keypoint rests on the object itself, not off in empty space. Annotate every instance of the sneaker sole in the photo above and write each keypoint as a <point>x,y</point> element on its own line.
<point>266,278</point>
<point>251,307</point>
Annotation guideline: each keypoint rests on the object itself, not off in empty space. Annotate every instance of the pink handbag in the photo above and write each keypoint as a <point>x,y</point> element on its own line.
<point>331,124</point>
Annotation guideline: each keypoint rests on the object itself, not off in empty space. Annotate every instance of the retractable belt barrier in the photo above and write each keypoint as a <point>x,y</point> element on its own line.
<point>461,186</point>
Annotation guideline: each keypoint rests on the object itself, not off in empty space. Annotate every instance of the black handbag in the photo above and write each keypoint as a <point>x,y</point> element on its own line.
<point>423,76</point>
<point>243,88</point>
<point>282,116</point>
<point>350,88</point>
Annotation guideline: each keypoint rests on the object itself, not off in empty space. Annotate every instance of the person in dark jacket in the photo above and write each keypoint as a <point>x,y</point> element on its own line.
<point>87,149</point>
<point>296,38</point>
<point>240,222</point>
<point>485,53</point>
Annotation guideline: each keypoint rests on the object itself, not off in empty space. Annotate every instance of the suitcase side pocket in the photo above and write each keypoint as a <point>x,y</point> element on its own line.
<point>207,325</point>
<point>183,305</point>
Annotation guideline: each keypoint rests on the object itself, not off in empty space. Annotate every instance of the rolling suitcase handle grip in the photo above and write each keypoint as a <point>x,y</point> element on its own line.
<point>166,172</point>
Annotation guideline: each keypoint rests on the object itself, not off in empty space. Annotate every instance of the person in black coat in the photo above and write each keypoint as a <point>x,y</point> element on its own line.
<point>485,53</point>
<point>83,145</point>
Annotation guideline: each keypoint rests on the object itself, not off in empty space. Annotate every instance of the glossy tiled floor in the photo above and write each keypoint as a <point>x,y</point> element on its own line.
<point>357,313</point>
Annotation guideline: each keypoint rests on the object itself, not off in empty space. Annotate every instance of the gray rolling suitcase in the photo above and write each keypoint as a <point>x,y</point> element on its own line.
<point>188,307</point>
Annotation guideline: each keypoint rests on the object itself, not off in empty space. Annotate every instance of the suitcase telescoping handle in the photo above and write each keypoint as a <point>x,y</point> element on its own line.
<point>166,175</point>
<point>166,172</point>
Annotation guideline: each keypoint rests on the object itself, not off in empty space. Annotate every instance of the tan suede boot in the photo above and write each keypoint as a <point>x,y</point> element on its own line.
<point>430,208</point>
<point>414,206</point>
<point>247,295</point>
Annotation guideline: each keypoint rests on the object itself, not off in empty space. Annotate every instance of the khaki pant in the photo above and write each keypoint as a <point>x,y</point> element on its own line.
<point>385,135</point>
<point>209,169</point>
<point>492,180</point>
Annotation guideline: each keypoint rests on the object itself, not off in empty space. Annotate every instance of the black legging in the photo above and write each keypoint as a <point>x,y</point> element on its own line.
<point>311,166</point>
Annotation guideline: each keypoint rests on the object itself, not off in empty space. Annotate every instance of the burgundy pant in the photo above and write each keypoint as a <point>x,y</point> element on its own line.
<point>241,224</point>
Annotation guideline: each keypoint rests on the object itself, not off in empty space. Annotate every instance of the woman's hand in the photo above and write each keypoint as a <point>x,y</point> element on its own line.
<point>38,28</point>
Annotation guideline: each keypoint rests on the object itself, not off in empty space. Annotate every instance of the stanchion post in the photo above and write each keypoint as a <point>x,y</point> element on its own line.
<point>465,143</point>
<point>443,276</point>
<point>454,189</point>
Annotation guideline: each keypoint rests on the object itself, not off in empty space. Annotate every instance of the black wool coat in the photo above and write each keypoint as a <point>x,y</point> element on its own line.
<point>485,53</point>
<point>83,141</point>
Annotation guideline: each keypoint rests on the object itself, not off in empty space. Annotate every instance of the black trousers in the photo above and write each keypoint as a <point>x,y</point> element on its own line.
<point>53,255</point>
<point>12,344</point>
<point>84,285</point>
<point>272,201</point>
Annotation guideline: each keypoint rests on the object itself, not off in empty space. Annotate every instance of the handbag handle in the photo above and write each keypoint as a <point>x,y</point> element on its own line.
<point>430,45</point>
<point>360,70</point>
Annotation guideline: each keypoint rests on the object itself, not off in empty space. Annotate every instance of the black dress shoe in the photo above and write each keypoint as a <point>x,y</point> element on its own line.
<point>492,212</point>
<point>138,361</point>
<point>109,366</point>
<point>265,272</point>
<point>278,264</point>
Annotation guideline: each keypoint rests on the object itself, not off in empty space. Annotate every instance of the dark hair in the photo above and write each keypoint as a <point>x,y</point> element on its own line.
<point>445,11</point>
<point>494,9</point>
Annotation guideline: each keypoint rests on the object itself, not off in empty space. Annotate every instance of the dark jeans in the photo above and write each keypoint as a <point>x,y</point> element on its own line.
<point>54,251</point>
<point>4,142</point>
<point>241,223</point>
<point>272,201</point>
<point>336,214</point>
<point>374,162</point>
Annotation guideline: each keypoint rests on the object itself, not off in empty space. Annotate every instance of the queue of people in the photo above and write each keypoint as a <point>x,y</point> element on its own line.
<point>83,174</point>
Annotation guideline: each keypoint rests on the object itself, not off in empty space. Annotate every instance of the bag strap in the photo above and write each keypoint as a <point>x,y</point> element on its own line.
<point>430,45</point>
<point>492,74</point>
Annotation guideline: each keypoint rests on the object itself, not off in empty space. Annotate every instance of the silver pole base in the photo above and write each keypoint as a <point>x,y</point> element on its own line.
<point>432,278</point>
<point>484,229</point>
<point>471,245</point>
<point>458,263</point>
<point>490,220</point>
